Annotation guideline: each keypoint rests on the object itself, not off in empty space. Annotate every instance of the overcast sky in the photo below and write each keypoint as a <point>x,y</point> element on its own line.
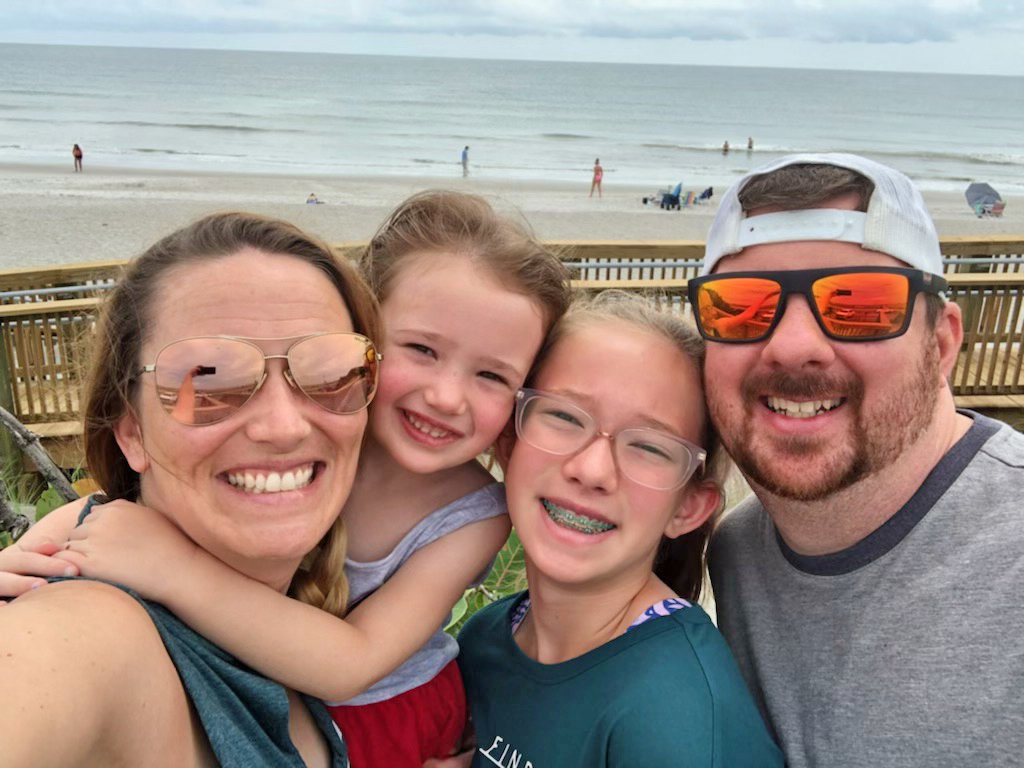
<point>969,36</point>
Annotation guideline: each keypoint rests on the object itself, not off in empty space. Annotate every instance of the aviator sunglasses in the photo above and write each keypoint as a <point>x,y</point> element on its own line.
<point>649,457</point>
<point>205,379</point>
<point>849,303</point>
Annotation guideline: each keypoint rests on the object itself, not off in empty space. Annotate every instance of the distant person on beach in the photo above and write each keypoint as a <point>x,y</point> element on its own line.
<point>465,161</point>
<point>596,181</point>
<point>750,144</point>
<point>725,147</point>
<point>313,199</point>
<point>871,588</point>
<point>76,152</point>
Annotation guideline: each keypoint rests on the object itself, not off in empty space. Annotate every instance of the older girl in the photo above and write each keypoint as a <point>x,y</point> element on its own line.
<point>607,660</point>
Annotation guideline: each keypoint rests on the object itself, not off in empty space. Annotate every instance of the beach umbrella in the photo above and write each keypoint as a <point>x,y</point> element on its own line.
<point>980,194</point>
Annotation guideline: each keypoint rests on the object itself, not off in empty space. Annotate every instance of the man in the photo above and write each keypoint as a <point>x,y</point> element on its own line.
<point>872,589</point>
<point>465,161</point>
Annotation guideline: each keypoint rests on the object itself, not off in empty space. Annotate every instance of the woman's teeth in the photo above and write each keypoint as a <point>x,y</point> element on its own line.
<point>802,409</point>
<point>574,521</point>
<point>271,482</point>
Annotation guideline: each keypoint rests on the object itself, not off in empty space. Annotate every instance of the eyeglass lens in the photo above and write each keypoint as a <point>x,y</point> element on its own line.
<point>646,456</point>
<point>205,380</point>
<point>862,305</point>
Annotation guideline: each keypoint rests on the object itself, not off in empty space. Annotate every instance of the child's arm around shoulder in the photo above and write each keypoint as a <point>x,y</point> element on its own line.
<point>298,645</point>
<point>417,599</point>
<point>26,564</point>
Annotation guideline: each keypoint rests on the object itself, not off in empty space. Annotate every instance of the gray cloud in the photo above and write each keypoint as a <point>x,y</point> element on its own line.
<point>821,21</point>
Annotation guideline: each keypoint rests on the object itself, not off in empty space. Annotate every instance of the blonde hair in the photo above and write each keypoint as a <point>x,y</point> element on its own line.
<point>457,224</point>
<point>680,562</point>
<point>112,383</point>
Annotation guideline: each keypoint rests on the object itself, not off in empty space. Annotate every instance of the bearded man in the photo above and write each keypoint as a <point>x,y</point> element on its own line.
<point>871,588</point>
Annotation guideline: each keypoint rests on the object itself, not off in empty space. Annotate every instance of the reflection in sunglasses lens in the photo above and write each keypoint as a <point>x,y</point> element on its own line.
<point>856,305</point>
<point>337,372</point>
<point>862,305</point>
<point>204,380</point>
<point>738,308</point>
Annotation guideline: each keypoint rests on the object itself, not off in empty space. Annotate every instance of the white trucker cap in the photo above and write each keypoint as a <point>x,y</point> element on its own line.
<point>896,223</point>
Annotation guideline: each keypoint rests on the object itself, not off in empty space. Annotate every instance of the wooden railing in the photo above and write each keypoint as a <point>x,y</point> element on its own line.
<point>19,286</point>
<point>44,334</point>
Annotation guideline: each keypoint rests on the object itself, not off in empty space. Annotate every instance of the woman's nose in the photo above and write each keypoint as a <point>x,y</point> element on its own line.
<point>277,413</point>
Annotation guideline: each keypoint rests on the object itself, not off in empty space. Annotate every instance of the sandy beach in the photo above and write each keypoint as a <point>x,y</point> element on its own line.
<point>50,215</point>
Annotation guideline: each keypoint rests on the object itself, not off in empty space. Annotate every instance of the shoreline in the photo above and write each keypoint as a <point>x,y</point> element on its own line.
<point>50,215</point>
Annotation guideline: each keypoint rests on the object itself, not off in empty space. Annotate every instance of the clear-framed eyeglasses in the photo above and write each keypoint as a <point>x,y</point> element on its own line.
<point>648,457</point>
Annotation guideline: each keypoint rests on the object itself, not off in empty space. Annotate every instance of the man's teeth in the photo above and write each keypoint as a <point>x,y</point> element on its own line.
<point>804,409</point>
<point>271,482</point>
<point>574,521</point>
<point>426,429</point>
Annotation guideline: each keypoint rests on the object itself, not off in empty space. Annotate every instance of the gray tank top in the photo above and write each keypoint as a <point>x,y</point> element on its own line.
<point>365,578</point>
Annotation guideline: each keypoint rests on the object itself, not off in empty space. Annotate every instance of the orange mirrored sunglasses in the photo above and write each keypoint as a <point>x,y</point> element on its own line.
<point>849,303</point>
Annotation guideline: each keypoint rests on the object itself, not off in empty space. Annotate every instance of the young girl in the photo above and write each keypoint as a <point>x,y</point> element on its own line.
<point>607,660</point>
<point>466,299</point>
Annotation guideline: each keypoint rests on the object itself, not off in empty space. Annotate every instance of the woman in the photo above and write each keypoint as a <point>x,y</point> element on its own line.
<point>234,345</point>
<point>598,175</point>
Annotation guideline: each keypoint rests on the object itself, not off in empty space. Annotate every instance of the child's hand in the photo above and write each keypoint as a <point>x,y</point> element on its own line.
<point>130,544</point>
<point>23,568</point>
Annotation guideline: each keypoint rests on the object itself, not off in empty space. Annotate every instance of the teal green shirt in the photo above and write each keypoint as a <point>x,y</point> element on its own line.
<point>666,693</point>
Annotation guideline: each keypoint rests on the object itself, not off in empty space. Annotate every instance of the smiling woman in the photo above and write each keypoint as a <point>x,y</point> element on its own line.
<point>200,381</point>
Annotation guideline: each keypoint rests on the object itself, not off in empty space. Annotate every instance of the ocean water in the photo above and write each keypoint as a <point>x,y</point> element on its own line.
<point>367,115</point>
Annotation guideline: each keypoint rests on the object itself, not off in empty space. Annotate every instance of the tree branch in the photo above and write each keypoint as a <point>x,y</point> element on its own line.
<point>30,445</point>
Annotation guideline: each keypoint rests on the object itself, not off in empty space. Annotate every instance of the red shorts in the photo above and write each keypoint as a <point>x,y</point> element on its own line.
<point>404,731</point>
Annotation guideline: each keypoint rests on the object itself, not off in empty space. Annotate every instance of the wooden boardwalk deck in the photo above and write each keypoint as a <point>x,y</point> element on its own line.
<point>45,334</point>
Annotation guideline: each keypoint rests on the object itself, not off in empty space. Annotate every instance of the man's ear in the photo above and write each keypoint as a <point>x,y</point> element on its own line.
<point>128,434</point>
<point>504,444</point>
<point>701,498</point>
<point>949,335</point>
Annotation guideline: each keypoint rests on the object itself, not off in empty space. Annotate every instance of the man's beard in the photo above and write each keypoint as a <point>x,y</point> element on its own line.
<point>876,441</point>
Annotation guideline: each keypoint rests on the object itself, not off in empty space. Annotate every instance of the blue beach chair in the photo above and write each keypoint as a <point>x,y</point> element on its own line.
<point>670,200</point>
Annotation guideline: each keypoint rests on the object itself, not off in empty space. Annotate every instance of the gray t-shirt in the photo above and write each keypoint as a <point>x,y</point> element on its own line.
<point>905,650</point>
<point>365,578</point>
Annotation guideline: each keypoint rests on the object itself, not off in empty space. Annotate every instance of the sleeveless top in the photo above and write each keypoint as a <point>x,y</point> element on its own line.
<point>365,578</point>
<point>244,715</point>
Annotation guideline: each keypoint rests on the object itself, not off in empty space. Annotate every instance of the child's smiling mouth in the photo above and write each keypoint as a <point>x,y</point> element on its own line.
<point>575,521</point>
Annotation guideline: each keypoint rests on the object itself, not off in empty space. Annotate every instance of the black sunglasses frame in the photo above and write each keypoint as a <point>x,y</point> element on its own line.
<point>800,282</point>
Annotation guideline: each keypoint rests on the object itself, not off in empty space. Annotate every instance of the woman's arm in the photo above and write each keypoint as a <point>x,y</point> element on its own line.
<point>26,564</point>
<point>299,646</point>
<point>87,691</point>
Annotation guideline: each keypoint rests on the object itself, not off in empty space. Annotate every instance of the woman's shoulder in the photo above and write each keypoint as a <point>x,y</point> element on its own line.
<point>81,659</point>
<point>84,616</point>
<point>81,598</point>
